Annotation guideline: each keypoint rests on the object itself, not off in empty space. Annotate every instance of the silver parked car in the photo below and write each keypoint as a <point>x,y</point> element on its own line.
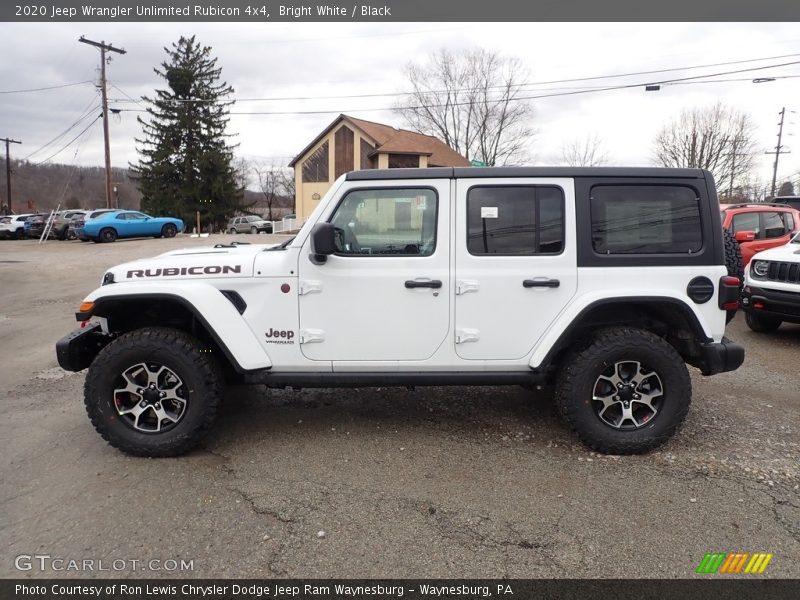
<point>248,224</point>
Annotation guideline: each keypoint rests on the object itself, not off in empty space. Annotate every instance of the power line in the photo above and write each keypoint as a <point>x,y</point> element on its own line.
<point>72,141</point>
<point>42,89</point>
<point>677,81</point>
<point>519,86</point>
<point>87,111</point>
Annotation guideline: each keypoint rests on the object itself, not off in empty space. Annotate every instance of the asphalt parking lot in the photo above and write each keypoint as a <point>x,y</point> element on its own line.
<point>440,482</point>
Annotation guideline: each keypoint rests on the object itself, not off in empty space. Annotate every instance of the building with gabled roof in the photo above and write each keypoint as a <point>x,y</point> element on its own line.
<point>351,144</point>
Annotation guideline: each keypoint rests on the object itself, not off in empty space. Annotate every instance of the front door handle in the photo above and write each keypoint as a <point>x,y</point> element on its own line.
<point>548,283</point>
<point>433,283</point>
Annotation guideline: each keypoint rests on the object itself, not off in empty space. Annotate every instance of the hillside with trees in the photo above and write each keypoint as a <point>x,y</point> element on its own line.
<point>42,187</point>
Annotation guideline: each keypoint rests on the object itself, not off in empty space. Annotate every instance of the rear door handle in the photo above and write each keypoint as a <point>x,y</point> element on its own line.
<point>433,283</point>
<point>548,283</point>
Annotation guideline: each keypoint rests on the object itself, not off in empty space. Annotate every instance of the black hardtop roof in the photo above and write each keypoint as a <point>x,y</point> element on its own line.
<point>486,172</point>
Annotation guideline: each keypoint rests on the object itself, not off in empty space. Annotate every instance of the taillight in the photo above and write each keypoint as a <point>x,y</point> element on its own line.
<point>729,292</point>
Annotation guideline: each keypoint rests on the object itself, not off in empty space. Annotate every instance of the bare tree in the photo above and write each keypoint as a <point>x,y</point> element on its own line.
<point>786,189</point>
<point>273,183</point>
<point>588,152</point>
<point>717,138</point>
<point>472,101</point>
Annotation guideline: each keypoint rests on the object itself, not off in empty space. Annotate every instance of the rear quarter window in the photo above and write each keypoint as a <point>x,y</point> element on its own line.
<point>645,219</point>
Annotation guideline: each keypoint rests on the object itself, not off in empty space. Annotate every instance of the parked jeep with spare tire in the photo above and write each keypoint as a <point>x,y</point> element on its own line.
<point>605,282</point>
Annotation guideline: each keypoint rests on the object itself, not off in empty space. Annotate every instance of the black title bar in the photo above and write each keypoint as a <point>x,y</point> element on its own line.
<point>259,11</point>
<point>717,587</point>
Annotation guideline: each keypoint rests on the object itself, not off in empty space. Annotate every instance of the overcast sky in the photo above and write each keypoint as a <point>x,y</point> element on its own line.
<point>277,60</point>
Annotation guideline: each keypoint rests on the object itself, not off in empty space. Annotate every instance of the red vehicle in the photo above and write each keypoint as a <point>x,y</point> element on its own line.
<point>761,226</point>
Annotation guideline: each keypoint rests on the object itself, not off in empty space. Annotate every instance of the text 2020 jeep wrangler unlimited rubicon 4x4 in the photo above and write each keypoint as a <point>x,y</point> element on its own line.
<point>604,281</point>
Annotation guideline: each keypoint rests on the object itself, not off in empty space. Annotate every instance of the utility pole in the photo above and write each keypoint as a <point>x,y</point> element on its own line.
<point>8,171</point>
<point>103,48</point>
<point>778,151</point>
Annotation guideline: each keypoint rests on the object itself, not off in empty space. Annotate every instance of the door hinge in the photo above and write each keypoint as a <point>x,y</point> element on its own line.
<point>467,335</point>
<point>309,286</point>
<point>466,285</point>
<point>311,336</point>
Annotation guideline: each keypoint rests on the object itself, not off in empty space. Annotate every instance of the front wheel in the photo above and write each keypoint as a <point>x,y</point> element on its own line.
<point>761,324</point>
<point>169,230</point>
<point>108,235</point>
<point>153,392</point>
<point>627,392</point>
<point>232,231</point>
<point>254,230</point>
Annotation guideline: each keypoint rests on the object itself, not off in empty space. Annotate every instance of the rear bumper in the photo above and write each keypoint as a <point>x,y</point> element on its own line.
<point>721,357</point>
<point>77,350</point>
<point>774,304</point>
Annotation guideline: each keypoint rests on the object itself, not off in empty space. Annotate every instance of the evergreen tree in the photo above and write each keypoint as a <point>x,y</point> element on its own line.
<point>185,162</point>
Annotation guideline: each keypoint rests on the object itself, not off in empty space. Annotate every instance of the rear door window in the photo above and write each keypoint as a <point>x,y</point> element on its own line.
<point>515,220</point>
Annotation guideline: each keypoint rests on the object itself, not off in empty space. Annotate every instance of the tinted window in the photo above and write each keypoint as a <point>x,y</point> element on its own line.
<point>773,225</point>
<point>515,220</point>
<point>386,222</point>
<point>746,222</point>
<point>645,219</point>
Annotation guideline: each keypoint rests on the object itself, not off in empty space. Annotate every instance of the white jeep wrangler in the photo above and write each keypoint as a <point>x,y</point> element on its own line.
<point>604,281</point>
<point>771,293</point>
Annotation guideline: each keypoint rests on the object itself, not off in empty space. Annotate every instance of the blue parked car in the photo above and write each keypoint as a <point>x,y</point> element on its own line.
<point>130,223</point>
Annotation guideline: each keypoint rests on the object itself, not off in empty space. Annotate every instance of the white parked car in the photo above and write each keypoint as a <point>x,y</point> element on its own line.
<point>13,226</point>
<point>604,281</point>
<point>771,293</point>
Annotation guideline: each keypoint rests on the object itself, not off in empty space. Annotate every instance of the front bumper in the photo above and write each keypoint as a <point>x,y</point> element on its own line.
<point>77,350</point>
<point>721,357</point>
<point>775,304</point>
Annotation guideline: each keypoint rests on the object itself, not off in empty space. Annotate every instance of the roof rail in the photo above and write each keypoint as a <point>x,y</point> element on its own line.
<point>756,204</point>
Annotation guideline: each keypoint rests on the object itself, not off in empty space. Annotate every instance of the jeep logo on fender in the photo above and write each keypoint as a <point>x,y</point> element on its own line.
<point>172,271</point>
<point>279,336</point>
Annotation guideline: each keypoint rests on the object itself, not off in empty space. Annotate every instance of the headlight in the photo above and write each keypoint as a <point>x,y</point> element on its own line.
<point>760,268</point>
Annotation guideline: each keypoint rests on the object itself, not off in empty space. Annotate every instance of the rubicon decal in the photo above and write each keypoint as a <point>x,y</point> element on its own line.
<point>173,271</point>
<point>735,562</point>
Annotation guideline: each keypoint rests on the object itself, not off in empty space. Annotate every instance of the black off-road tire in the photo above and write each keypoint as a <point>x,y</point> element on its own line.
<point>108,235</point>
<point>169,230</point>
<point>580,371</point>
<point>179,352</point>
<point>734,264</point>
<point>761,324</point>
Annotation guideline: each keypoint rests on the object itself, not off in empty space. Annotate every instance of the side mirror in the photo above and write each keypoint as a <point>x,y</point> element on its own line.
<point>745,236</point>
<point>323,242</point>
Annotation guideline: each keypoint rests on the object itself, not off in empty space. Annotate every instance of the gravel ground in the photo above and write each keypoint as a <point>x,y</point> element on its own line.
<point>441,482</point>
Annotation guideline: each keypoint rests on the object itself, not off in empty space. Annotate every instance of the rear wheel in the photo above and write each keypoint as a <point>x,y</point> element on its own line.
<point>760,323</point>
<point>734,264</point>
<point>108,235</point>
<point>627,392</point>
<point>153,392</point>
<point>169,230</point>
